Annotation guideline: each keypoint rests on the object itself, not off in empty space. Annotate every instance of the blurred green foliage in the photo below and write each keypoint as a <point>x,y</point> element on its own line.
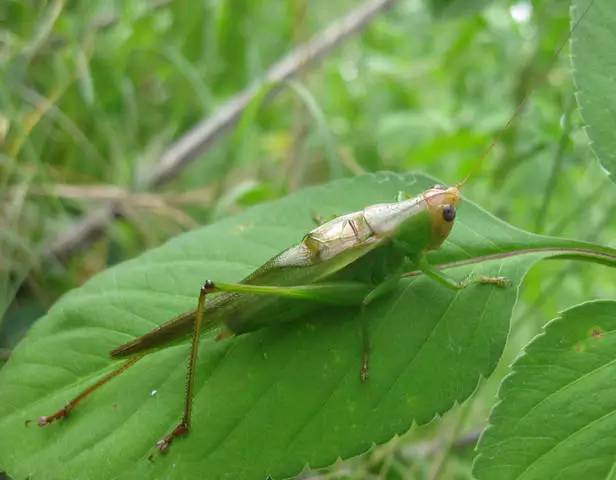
<point>92,92</point>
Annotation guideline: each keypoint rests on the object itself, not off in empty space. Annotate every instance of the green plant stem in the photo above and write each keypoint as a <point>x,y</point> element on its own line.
<point>557,165</point>
<point>602,255</point>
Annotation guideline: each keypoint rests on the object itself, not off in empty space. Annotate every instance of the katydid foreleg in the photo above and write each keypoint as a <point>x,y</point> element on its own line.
<point>437,275</point>
<point>319,220</point>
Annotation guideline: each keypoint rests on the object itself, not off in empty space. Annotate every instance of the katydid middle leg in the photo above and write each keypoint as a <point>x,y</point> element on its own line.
<point>381,289</point>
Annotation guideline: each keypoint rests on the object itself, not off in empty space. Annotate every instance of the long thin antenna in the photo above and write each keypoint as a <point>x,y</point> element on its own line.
<point>525,98</point>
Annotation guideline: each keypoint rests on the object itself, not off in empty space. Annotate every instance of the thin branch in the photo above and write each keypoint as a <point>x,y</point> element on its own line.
<point>81,234</point>
<point>101,193</point>
<point>201,137</point>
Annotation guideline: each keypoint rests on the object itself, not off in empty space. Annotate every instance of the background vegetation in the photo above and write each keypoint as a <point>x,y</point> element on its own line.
<point>92,93</point>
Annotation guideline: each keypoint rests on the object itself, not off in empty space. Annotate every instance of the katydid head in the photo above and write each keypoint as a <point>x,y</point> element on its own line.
<point>419,223</point>
<point>441,202</point>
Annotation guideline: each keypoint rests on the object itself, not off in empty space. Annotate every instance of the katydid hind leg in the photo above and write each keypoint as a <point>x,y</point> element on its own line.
<point>343,293</point>
<point>183,427</point>
<point>45,420</point>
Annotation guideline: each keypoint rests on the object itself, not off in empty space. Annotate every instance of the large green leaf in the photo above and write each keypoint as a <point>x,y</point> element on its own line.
<point>276,400</point>
<point>595,71</point>
<point>557,414</point>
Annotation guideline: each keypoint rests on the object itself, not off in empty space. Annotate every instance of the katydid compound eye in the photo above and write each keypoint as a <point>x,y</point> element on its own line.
<point>449,213</point>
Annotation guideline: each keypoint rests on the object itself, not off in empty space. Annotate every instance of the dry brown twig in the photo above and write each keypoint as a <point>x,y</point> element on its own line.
<point>101,193</point>
<point>196,141</point>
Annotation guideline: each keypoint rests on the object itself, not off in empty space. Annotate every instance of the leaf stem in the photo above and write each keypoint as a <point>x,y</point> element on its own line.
<point>602,255</point>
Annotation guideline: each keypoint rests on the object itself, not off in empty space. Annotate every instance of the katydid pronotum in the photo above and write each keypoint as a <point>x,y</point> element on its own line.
<point>351,260</point>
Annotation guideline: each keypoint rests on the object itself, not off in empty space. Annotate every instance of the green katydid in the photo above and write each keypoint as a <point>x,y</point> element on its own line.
<point>350,260</point>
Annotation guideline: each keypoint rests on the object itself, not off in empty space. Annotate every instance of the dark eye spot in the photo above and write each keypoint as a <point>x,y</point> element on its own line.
<point>449,213</point>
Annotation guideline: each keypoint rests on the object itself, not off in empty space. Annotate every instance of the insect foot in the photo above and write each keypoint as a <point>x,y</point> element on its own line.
<point>45,420</point>
<point>164,444</point>
<point>363,372</point>
<point>208,286</point>
<point>502,282</point>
